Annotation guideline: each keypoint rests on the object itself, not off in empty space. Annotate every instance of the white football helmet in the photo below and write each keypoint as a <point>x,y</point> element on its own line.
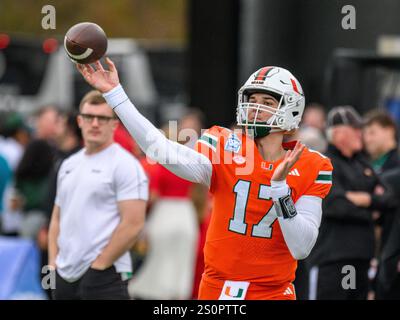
<point>281,84</point>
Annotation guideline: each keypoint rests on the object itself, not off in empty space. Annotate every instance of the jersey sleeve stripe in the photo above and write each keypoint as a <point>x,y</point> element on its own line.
<point>325,173</point>
<point>207,143</point>
<point>323,181</point>
<point>210,136</point>
<point>209,139</point>
<point>324,177</point>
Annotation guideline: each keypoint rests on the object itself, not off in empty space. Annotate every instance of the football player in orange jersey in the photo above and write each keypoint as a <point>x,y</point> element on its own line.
<point>267,195</point>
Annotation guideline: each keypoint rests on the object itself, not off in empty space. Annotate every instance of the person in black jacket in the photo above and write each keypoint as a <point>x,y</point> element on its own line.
<point>346,240</point>
<point>388,277</point>
<point>380,137</point>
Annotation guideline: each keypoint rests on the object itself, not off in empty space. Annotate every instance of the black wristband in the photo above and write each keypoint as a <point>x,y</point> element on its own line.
<point>285,207</point>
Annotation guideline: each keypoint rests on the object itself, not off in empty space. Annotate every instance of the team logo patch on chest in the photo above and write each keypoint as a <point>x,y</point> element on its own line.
<point>233,144</point>
<point>267,166</point>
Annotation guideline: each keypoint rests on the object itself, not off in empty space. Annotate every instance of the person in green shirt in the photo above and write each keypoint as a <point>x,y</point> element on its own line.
<point>380,137</point>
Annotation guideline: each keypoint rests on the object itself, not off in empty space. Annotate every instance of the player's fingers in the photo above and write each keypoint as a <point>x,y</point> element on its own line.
<point>81,68</point>
<point>98,65</point>
<point>286,167</point>
<point>296,155</point>
<point>298,149</point>
<point>111,64</point>
<point>297,146</point>
<point>89,68</point>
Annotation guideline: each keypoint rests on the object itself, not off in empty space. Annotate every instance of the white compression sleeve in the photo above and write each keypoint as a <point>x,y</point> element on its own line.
<point>301,231</point>
<point>179,159</point>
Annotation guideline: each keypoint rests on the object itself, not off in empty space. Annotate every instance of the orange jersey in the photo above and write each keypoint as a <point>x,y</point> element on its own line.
<point>244,240</point>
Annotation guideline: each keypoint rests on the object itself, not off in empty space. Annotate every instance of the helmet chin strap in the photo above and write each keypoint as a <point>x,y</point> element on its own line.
<point>262,131</point>
<point>259,132</point>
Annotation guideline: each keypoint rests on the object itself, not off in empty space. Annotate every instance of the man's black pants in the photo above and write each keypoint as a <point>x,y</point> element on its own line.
<point>93,285</point>
<point>331,277</point>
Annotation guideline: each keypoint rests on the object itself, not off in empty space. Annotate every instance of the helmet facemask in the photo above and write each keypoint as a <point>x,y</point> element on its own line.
<point>283,117</point>
<point>283,86</point>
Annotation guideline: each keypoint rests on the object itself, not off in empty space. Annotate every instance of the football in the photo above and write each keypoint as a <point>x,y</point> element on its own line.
<point>85,42</point>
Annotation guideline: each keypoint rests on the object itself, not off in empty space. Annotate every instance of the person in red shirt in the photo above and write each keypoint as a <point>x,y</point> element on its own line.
<point>171,234</point>
<point>122,137</point>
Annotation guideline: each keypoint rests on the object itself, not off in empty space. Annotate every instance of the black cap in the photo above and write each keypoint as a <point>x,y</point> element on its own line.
<point>344,115</point>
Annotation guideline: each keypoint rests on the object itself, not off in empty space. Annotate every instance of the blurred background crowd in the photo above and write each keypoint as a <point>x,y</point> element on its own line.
<point>184,60</point>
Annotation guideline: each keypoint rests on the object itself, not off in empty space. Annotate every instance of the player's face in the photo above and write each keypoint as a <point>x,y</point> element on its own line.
<point>263,99</point>
<point>97,123</point>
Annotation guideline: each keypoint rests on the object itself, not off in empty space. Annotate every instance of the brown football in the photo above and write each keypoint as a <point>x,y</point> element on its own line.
<point>85,42</point>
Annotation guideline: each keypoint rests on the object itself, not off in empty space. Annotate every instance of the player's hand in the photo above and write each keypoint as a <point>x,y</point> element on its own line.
<point>99,78</point>
<point>290,159</point>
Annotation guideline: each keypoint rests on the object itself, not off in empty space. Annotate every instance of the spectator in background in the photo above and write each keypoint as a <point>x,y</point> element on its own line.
<point>314,116</point>
<point>312,129</point>
<point>380,137</point>
<point>14,137</point>
<point>124,139</point>
<point>346,235</point>
<point>202,201</point>
<point>32,184</point>
<point>388,276</point>
<point>69,142</point>
<point>193,120</point>
<point>5,175</point>
<point>48,124</point>
<point>171,232</point>
<point>313,138</point>
<point>98,212</point>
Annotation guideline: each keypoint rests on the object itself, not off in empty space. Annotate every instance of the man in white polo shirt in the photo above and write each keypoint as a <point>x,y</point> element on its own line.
<point>99,210</point>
